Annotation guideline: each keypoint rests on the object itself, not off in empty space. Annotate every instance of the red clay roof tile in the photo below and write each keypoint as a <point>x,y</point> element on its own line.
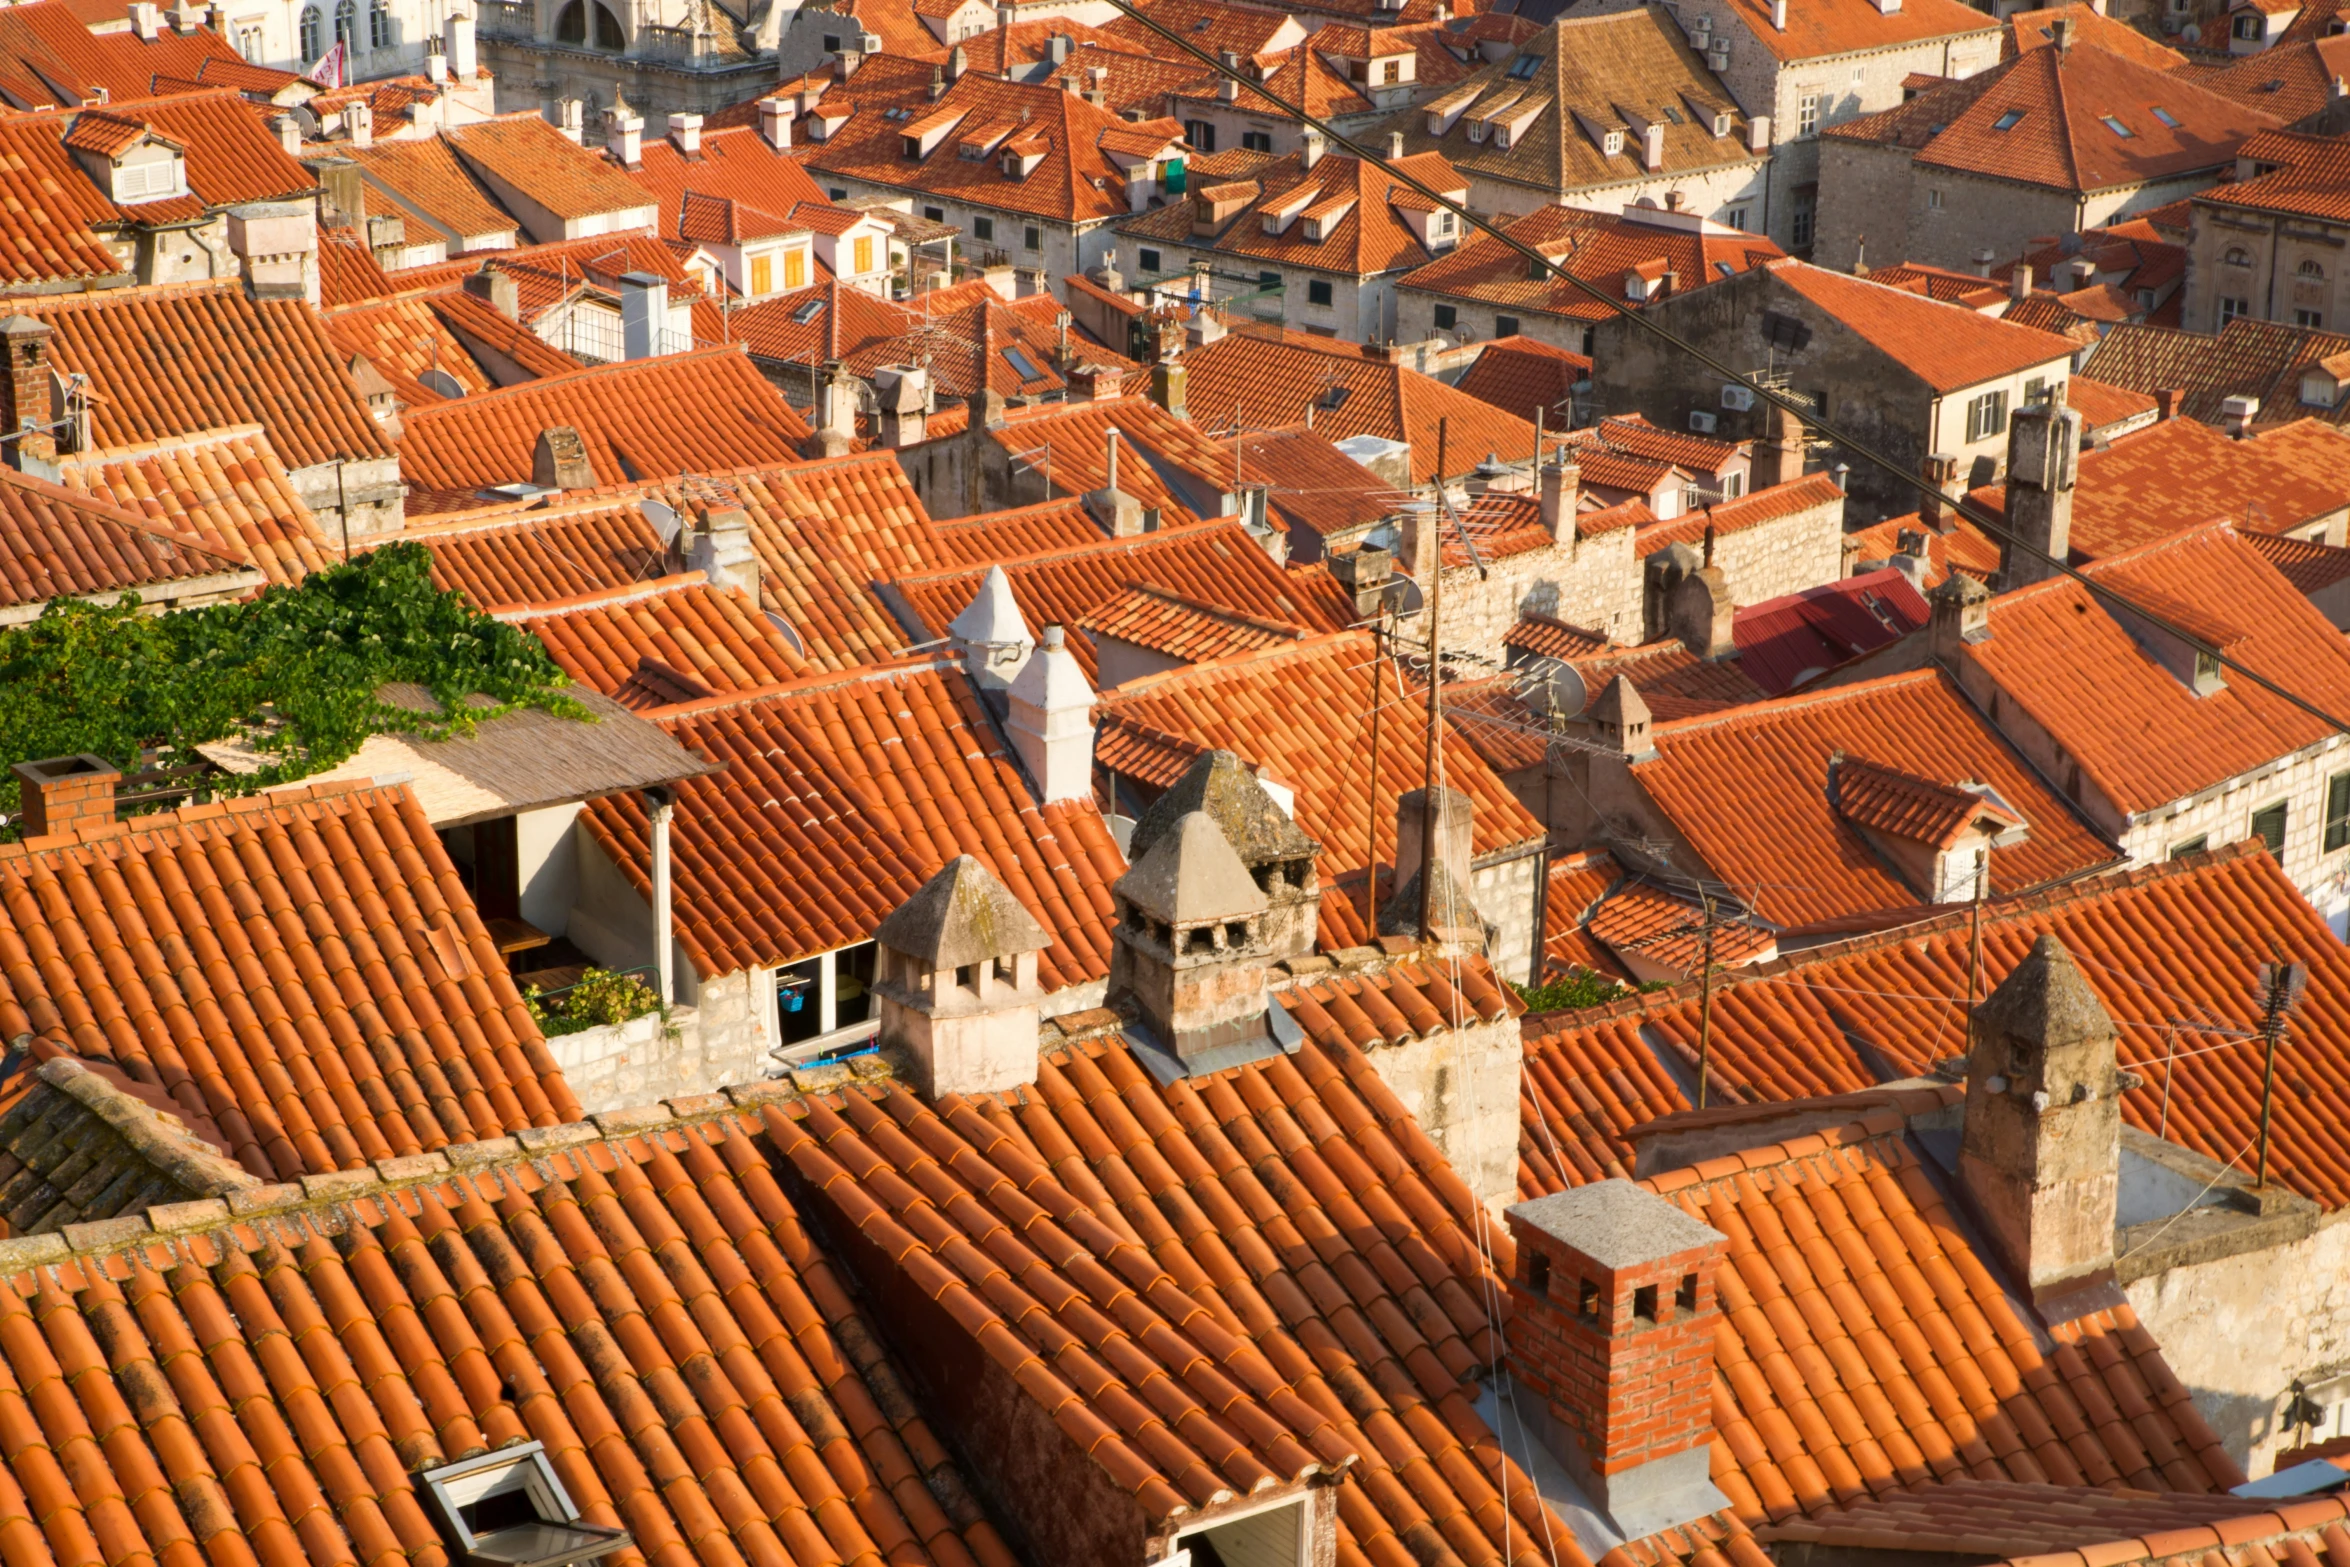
<point>225,487</point>
<point>680,626</point>
<point>57,542</point>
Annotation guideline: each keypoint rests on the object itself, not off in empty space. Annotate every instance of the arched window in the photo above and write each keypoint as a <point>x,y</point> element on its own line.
<point>2237,256</point>
<point>2310,269</point>
<point>379,25</point>
<point>312,47</point>
<point>346,23</point>
<point>571,26</point>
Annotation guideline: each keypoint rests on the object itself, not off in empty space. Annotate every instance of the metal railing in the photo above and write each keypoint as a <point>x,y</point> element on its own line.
<point>596,337</point>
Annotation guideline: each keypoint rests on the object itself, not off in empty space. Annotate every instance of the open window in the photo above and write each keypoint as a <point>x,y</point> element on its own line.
<point>1278,1535</point>
<point>508,1509</point>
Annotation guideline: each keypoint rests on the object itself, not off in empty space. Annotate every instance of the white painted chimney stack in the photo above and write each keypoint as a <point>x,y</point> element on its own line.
<point>1051,721</point>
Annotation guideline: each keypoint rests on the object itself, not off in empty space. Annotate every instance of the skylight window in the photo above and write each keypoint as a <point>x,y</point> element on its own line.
<point>1022,366</point>
<point>2116,126</point>
<point>2165,116</point>
<point>507,1507</point>
<point>809,311</point>
<point>1525,65</point>
<point>2008,121</point>
<point>1334,398</point>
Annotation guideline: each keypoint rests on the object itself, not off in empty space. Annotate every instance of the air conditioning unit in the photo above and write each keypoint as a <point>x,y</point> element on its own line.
<point>1701,421</point>
<point>1737,398</point>
<point>870,43</point>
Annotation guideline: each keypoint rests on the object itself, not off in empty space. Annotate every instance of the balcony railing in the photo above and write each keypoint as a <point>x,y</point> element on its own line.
<point>508,19</point>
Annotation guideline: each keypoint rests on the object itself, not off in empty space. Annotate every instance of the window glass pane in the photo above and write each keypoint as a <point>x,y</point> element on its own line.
<point>2268,825</point>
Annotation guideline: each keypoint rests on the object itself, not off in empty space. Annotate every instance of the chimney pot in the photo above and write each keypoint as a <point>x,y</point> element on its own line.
<point>956,979</point>
<point>685,134</point>
<point>1050,719</point>
<point>63,793</point>
<point>2019,282</point>
<point>775,123</point>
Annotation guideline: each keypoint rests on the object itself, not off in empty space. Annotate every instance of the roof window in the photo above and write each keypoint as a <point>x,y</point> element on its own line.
<point>2165,116</point>
<point>1525,65</point>
<point>809,310</point>
<point>508,1509</point>
<point>1333,398</point>
<point>2117,127</point>
<point>2008,121</point>
<point>1022,366</point>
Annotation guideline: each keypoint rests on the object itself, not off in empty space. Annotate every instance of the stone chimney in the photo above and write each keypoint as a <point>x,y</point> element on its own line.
<point>2041,1153</point>
<point>903,392</point>
<point>1310,149</point>
<point>463,60</point>
<point>573,113</point>
<point>1959,615</point>
<point>1562,494</point>
<point>2236,415</point>
<point>1170,387</point>
<point>1455,922</point>
<point>1119,513</point>
<point>838,433</point>
<point>1778,456</point>
<point>1700,612</point>
<point>31,399</point>
<point>1050,719</point>
<point>1939,511</point>
<point>359,124</point>
<point>497,290</point>
<point>1227,88</point>
<point>63,793</point>
<point>644,314</point>
<point>2041,442</point>
<point>146,20</point>
<point>1612,1330</point>
<point>1262,831</point>
<point>560,461</point>
<point>1619,720</point>
<point>993,638</point>
<point>1660,574</point>
<point>685,134</point>
<point>1416,552</point>
<point>1190,955</point>
<point>2019,282</point>
<point>1365,572</point>
<point>956,979</point>
<point>721,550</point>
<point>626,137</point>
<point>775,123</point>
<point>289,135</point>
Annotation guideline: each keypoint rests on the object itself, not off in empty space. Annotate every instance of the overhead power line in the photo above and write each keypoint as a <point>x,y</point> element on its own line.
<point>1801,408</point>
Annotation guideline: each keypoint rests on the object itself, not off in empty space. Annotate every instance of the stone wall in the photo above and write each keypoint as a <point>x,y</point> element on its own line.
<point>1592,582</point>
<point>2267,281</point>
<point>1461,1085</point>
<point>727,1037</point>
<point>1784,555</point>
<point>1475,321</point>
<point>1506,892</point>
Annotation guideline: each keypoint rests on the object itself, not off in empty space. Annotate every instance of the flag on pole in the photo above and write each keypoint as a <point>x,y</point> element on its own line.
<point>328,72</point>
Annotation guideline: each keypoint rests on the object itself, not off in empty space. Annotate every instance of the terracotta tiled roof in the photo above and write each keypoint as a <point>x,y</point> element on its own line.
<point>1301,713</point>
<point>841,321</point>
<point>2309,566</point>
<point>972,338</point>
<point>1748,790</point>
<point>1595,247</point>
<point>775,1428</point>
<point>509,554</point>
<point>49,57</point>
<point>1786,641</point>
<point>2053,1524</point>
<point>2139,737</point>
<point>682,626</point>
<point>1519,375</point>
<point>2046,312</point>
<point>402,339</point>
<point>1699,454</point>
<point>1868,794</point>
<point>1217,1354</point>
<point>1077,435</point>
<point>197,356</point>
<point>2261,359</point>
<point>1245,378</point>
<point>1215,28</point>
<point>2031,30</point>
<point>2105,407</point>
<point>225,487</point>
<point>522,152</point>
<point>1494,718</point>
<point>2303,176</point>
<point>1075,182</point>
<point>1750,510</point>
<point>1541,636</point>
<point>736,164</point>
<point>230,157</point>
<point>1895,1393</point>
<point>1674,682</point>
<point>1369,238</point>
<point>427,180</point>
<point>1591,71</point>
<point>347,273</point>
<point>333,998</point>
<point>1668,928</point>
<point>1577,883</point>
<point>1214,564</point>
<point>51,209</point>
<point>1008,535</point>
<point>2290,80</point>
<point>1966,549</point>
<point>862,785</point>
<point>2060,138</point>
<point>1945,346</point>
<point>61,543</point>
<point>1951,288</point>
<point>1838,27</point>
<point>1310,483</point>
<point>1183,629</point>
<point>1835,1018</point>
<point>704,410</point>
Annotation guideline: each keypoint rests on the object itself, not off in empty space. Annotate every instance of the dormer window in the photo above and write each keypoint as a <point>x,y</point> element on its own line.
<point>1613,145</point>
<point>157,176</point>
<point>508,1509</point>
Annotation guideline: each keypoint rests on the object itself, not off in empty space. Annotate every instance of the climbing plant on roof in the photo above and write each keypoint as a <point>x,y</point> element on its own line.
<point>294,675</point>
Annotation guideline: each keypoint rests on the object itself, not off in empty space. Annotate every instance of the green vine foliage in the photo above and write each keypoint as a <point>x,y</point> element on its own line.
<point>1577,990</point>
<point>293,674</point>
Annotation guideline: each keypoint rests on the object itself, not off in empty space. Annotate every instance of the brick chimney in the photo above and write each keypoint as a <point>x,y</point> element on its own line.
<point>2042,441</point>
<point>1050,720</point>
<point>1938,511</point>
<point>560,461</point>
<point>2172,400</point>
<point>31,404</point>
<point>63,793</point>
<point>1612,1330</point>
<point>957,982</point>
<point>2041,1152</point>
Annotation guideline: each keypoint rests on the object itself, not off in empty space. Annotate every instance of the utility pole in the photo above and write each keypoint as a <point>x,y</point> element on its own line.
<point>1371,790</point>
<point>1428,811</point>
<point>1705,1005</point>
<point>1974,969</point>
<point>2279,989</point>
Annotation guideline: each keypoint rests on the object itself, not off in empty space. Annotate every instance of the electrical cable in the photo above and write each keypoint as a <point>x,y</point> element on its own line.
<point>1964,506</point>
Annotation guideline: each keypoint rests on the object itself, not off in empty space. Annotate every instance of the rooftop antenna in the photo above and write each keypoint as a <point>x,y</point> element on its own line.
<point>1435,695</point>
<point>2279,986</point>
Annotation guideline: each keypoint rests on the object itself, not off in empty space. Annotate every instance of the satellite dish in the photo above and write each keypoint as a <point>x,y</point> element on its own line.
<point>664,521</point>
<point>789,634</point>
<point>2191,33</point>
<point>441,383</point>
<point>1565,692</point>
